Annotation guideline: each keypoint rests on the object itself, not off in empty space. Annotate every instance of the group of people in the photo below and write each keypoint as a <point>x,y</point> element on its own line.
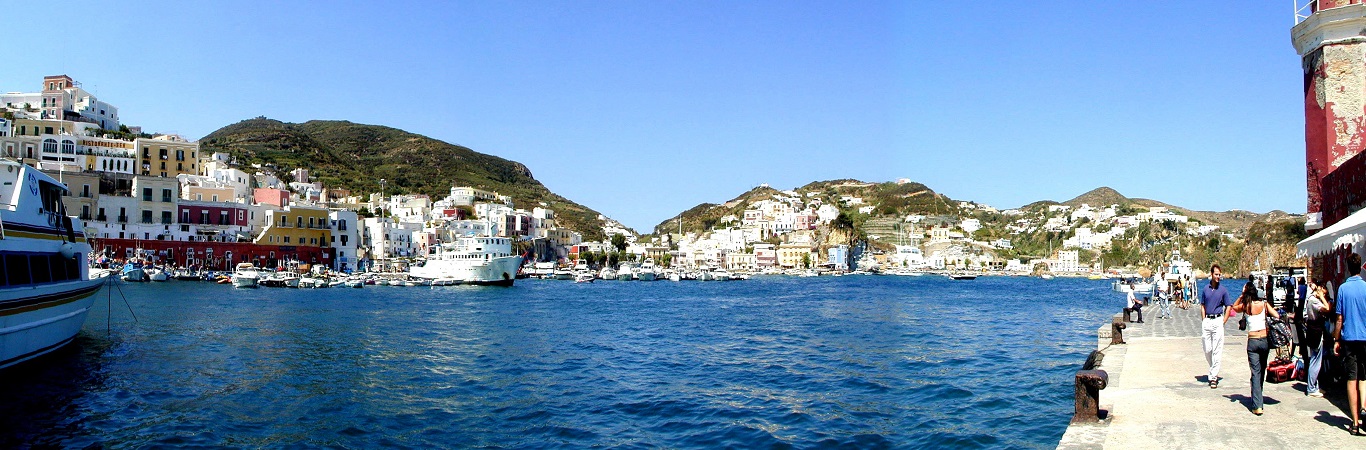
<point>1326,319</point>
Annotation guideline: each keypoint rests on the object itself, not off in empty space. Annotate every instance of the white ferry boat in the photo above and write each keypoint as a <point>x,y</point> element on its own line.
<point>471,260</point>
<point>45,285</point>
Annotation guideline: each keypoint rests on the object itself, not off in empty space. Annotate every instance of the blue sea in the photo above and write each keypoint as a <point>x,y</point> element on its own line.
<point>771,362</point>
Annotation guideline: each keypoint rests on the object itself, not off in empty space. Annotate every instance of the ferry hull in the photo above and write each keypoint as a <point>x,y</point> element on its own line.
<point>36,320</point>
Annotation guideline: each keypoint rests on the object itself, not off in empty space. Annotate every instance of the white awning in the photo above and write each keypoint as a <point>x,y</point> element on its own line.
<point>1349,231</point>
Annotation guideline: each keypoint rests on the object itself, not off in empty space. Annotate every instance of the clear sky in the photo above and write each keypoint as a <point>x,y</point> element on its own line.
<point>642,109</point>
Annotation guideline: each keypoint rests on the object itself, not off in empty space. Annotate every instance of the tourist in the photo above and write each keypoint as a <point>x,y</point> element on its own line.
<point>1213,301</point>
<point>1132,304</point>
<point>1163,298</point>
<point>1351,337</point>
<point>1316,314</point>
<point>1255,309</point>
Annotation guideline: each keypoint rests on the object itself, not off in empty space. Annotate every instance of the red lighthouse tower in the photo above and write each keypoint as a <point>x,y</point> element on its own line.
<point>1330,36</point>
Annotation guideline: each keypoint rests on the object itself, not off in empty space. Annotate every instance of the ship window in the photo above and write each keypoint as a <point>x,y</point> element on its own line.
<point>73,267</point>
<point>16,269</point>
<point>57,266</point>
<point>41,272</point>
<point>3,275</point>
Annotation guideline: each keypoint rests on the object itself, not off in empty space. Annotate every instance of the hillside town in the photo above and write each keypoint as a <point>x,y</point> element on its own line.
<point>798,229</point>
<point>160,198</point>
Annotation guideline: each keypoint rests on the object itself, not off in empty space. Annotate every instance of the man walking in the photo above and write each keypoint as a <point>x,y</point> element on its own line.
<point>1351,334</point>
<point>1214,302</point>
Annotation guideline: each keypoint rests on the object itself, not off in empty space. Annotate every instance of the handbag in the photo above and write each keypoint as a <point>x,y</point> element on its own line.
<point>1278,333</point>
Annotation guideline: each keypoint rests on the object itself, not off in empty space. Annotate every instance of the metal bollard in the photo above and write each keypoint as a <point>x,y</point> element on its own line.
<point>1117,327</point>
<point>1088,386</point>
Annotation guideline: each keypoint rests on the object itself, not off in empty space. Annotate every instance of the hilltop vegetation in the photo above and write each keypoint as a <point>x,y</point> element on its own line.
<point>353,156</point>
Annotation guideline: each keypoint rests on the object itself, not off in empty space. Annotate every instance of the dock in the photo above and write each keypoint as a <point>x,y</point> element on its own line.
<point>1158,397</point>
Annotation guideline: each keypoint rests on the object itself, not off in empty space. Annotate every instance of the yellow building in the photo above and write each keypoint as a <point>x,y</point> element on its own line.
<point>791,255</point>
<point>304,226</point>
<point>167,156</point>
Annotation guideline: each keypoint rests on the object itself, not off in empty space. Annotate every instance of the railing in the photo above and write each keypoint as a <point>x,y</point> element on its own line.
<point>1303,11</point>
<point>123,219</point>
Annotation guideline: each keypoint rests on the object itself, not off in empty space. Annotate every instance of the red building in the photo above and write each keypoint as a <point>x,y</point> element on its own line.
<point>212,255</point>
<point>277,197</point>
<point>1330,36</point>
<point>213,213</point>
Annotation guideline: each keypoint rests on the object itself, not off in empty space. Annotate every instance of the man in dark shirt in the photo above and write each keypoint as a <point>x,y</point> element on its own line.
<point>1214,301</point>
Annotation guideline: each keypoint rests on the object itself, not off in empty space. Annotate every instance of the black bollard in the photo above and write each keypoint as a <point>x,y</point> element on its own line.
<point>1117,327</point>
<point>1088,386</point>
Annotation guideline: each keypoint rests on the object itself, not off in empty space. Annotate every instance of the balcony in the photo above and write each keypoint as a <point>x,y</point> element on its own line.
<point>102,218</point>
<point>123,219</point>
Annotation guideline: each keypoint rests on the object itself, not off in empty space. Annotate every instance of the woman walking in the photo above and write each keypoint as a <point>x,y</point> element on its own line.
<point>1255,310</point>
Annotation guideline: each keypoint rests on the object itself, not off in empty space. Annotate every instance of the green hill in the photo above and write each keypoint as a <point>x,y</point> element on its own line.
<point>354,156</point>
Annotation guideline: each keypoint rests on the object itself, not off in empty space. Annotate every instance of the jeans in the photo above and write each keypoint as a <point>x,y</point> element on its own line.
<point>1314,342</point>
<point>1257,352</point>
<point>1212,337</point>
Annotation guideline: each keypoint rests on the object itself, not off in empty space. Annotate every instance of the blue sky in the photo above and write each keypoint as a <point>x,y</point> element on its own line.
<point>644,109</point>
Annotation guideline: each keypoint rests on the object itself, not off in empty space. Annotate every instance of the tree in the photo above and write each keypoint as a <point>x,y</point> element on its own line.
<point>806,261</point>
<point>666,260</point>
<point>619,242</point>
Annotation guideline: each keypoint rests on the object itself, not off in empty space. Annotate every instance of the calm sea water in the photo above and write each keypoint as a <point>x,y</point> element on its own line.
<point>855,361</point>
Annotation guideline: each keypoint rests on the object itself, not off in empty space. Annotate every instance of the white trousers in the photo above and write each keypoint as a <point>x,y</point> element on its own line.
<point>1212,336</point>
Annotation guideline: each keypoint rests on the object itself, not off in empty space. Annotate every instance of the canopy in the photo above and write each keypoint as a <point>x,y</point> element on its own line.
<point>1349,231</point>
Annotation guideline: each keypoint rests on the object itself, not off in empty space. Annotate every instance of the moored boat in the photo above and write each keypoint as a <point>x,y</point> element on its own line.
<point>47,289</point>
<point>246,276</point>
<point>471,260</point>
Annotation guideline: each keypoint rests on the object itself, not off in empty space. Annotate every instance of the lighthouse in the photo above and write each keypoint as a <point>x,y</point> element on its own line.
<point>1330,36</point>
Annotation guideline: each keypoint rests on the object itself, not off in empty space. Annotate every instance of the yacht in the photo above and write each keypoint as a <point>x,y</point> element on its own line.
<point>279,279</point>
<point>625,272</point>
<point>246,276</point>
<point>471,260</point>
<point>647,271</point>
<point>46,290</point>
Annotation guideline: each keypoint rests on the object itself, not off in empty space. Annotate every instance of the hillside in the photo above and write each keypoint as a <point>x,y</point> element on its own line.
<point>356,156</point>
<point>880,214</point>
<point>1233,220</point>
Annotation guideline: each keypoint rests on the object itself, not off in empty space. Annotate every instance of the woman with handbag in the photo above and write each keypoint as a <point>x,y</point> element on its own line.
<point>1255,311</point>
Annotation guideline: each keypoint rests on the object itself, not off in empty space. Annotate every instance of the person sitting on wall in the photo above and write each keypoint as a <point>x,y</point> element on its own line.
<point>1133,304</point>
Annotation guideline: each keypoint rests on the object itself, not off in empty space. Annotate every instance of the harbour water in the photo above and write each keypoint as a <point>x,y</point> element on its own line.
<point>861,361</point>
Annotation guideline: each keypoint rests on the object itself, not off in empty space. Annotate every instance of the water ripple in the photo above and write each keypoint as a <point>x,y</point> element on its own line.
<point>851,362</point>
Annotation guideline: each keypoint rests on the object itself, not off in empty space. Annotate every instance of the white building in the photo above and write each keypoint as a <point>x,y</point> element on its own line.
<point>345,238</point>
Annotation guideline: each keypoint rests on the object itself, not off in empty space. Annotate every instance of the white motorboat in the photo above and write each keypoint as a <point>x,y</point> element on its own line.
<point>720,275</point>
<point>584,277</point>
<point>625,272</point>
<point>133,272</point>
<point>47,290</point>
<point>155,274</point>
<point>647,271</point>
<point>607,273</point>
<point>282,278</point>
<point>471,260</point>
<point>245,276</point>
<point>355,282</point>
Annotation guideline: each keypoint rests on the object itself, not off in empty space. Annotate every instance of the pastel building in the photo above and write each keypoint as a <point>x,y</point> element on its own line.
<point>297,225</point>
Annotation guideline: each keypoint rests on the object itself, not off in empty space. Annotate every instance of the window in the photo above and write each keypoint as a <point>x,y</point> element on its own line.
<point>215,197</point>
<point>179,155</point>
<point>146,216</point>
<point>166,195</point>
<point>341,225</point>
<point>184,216</point>
<point>68,147</point>
<point>85,212</point>
<point>299,222</point>
<point>204,216</point>
<point>147,194</point>
<point>166,217</point>
<point>162,153</point>
<point>286,239</point>
<point>284,220</point>
<point>85,191</point>
<point>50,145</point>
<point>310,222</point>
<point>223,218</point>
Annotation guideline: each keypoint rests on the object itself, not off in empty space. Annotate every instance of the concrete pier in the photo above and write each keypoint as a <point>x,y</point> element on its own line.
<point>1158,396</point>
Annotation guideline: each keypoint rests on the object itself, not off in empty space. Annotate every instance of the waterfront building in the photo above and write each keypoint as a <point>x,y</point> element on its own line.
<point>213,221</point>
<point>838,257</point>
<point>344,239</point>
<point>740,261</point>
<point>1329,39</point>
<point>296,225</point>
<point>792,255</point>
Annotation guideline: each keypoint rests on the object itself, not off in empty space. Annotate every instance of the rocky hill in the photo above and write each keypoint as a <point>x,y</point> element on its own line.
<point>878,212</point>
<point>356,156</point>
